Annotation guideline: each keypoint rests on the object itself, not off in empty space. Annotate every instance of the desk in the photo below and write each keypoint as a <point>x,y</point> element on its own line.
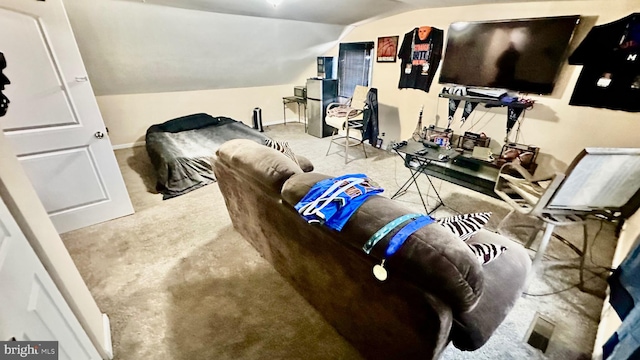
<point>298,100</point>
<point>460,169</point>
<point>418,164</point>
<point>467,172</point>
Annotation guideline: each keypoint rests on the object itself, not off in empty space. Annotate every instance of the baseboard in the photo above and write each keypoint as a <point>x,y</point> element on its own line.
<point>128,146</point>
<point>108,345</point>
<point>142,143</point>
<point>278,122</point>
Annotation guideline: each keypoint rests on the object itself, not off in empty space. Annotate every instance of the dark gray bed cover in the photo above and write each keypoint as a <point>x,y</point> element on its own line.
<point>182,150</point>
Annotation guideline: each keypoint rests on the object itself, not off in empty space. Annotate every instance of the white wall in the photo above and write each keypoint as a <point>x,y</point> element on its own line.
<point>129,116</point>
<point>133,47</point>
<point>559,129</point>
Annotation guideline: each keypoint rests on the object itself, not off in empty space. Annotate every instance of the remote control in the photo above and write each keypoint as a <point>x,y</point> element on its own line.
<point>399,145</point>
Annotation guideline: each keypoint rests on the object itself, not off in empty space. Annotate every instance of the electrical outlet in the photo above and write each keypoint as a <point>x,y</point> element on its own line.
<point>390,145</point>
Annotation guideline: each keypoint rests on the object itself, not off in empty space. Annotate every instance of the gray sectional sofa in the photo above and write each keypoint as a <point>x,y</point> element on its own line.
<point>437,292</point>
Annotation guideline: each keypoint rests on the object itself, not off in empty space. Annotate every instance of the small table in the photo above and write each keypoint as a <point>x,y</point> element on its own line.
<point>298,100</point>
<point>418,163</point>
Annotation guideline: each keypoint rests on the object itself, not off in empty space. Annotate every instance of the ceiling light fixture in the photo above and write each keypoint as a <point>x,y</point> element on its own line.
<point>275,3</point>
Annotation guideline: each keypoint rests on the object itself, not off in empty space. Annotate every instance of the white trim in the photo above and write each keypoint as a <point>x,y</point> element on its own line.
<point>128,146</point>
<point>142,143</point>
<point>277,122</point>
<point>281,122</point>
<point>108,345</point>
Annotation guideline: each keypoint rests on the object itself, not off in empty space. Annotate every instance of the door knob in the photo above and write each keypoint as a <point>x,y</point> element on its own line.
<point>99,134</point>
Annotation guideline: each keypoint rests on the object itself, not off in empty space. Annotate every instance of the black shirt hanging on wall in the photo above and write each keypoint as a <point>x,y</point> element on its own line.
<point>611,75</point>
<point>420,53</point>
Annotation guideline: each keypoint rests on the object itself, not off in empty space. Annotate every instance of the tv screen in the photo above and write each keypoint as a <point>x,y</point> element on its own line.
<point>521,55</point>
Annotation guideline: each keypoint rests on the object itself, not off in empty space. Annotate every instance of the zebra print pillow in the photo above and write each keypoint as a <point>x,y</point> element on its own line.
<point>486,253</point>
<point>464,226</point>
<point>283,147</point>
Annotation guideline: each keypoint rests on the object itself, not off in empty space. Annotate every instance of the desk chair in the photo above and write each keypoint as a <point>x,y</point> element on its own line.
<point>347,117</point>
<point>599,181</point>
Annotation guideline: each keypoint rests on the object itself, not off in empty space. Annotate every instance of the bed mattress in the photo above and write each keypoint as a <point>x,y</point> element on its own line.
<point>182,150</point>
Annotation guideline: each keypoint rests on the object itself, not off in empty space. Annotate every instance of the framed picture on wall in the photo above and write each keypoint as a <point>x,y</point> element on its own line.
<point>387,49</point>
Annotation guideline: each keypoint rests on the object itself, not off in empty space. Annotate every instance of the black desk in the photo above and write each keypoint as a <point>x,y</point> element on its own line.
<point>418,164</point>
<point>468,172</point>
<point>459,169</point>
<point>298,100</point>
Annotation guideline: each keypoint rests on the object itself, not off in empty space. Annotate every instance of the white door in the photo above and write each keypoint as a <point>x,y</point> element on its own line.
<point>53,123</point>
<point>32,308</point>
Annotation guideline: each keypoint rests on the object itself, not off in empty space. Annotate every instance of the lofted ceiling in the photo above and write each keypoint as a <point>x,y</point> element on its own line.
<point>149,46</point>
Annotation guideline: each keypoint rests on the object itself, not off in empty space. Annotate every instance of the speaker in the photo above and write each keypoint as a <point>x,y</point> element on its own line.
<point>257,119</point>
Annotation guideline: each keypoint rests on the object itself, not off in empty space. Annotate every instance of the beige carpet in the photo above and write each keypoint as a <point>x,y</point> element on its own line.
<point>179,283</point>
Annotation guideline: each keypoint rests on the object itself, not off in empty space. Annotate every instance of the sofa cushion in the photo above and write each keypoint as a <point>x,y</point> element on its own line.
<point>249,158</point>
<point>432,257</point>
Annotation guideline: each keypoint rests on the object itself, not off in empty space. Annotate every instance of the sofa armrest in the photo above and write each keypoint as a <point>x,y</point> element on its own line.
<point>305,164</point>
<point>263,164</point>
<point>504,281</point>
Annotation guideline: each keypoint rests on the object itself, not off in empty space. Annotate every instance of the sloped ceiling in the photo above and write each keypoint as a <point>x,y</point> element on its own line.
<point>148,46</point>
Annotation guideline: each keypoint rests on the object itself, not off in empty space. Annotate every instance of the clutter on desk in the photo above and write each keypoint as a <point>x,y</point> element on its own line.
<point>482,153</point>
<point>430,144</point>
<point>470,140</point>
<point>398,145</point>
<point>438,135</point>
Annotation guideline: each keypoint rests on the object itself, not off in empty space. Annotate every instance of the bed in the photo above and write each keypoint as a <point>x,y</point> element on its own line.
<point>182,150</point>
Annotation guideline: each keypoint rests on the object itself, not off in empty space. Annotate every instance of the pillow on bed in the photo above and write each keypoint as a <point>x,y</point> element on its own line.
<point>283,147</point>
<point>189,122</point>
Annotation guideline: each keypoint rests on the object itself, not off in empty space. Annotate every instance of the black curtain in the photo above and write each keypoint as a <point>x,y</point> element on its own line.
<point>354,66</point>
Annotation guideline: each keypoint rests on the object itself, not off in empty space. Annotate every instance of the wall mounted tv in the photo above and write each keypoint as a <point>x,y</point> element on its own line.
<point>522,55</point>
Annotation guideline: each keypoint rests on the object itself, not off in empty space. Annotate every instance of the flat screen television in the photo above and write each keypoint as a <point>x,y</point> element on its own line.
<point>522,55</point>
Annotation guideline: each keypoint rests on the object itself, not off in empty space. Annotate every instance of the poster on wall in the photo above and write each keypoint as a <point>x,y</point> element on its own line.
<point>387,49</point>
